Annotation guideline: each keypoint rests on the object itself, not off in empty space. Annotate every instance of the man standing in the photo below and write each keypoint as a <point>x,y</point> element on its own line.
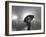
<point>28,20</point>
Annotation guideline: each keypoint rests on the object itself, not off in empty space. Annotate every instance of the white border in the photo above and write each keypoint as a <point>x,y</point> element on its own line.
<point>24,32</point>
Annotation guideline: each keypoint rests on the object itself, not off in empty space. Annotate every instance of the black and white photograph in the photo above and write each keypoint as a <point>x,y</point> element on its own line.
<point>25,18</point>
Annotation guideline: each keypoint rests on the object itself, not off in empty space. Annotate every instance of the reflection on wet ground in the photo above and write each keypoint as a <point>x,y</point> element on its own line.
<point>20,27</point>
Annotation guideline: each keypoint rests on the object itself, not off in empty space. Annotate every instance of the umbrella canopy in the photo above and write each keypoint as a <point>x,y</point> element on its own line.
<point>28,17</point>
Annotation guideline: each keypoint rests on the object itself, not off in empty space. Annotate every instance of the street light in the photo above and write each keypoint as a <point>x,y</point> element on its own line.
<point>14,17</point>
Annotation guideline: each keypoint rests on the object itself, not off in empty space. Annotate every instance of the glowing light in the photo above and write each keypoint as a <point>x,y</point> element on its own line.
<point>27,13</point>
<point>14,17</point>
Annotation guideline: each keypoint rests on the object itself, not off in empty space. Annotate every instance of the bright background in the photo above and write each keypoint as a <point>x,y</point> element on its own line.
<point>2,19</point>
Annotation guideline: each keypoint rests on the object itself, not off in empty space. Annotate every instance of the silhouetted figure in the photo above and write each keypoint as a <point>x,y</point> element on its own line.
<point>28,20</point>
